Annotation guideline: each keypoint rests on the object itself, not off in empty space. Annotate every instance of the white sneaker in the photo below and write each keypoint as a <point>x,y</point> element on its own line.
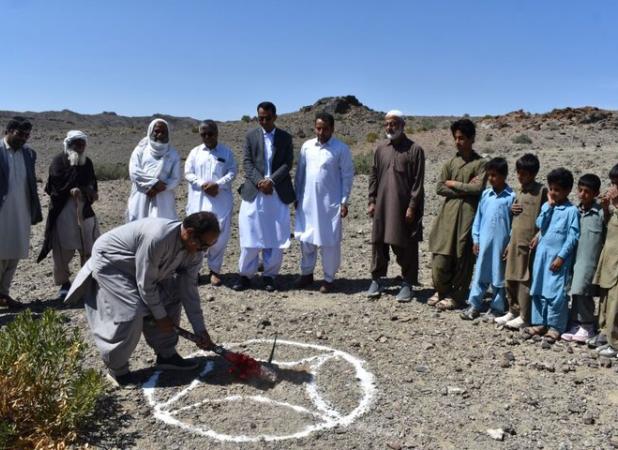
<point>505,318</point>
<point>568,336</point>
<point>516,323</point>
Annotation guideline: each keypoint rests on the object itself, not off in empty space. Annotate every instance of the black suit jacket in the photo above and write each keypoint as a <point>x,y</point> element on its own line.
<point>254,167</point>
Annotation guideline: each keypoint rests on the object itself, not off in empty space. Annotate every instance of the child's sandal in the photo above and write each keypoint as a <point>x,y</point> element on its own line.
<point>552,334</point>
<point>537,330</point>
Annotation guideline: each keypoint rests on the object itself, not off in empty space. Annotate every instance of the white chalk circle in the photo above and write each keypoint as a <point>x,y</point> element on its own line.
<point>322,415</point>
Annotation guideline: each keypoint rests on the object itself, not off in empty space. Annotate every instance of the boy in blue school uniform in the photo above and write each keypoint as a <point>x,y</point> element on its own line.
<point>490,234</point>
<point>558,226</point>
<point>591,237</point>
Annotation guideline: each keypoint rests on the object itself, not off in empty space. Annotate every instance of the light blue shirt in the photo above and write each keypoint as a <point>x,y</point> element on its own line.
<point>491,230</point>
<point>559,233</point>
<point>269,139</point>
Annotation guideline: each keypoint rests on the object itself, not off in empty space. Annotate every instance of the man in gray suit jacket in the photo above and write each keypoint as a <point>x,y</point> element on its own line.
<point>19,202</point>
<point>264,218</point>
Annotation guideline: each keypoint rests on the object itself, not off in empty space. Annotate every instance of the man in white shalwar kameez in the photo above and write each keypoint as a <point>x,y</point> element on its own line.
<point>264,217</point>
<point>210,169</point>
<point>155,171</point>
<point>19,202</point>
<point>324,177</point>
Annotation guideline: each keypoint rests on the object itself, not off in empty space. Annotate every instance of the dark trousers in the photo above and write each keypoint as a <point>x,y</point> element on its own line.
<point>407,258</point>
<point>582,309</point>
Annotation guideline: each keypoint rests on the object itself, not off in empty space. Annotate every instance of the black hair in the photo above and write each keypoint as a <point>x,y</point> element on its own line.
<point>613,173</point>
<point>562,177</point>
<point>268,106</point>
<point>466,126</point>
<point>202,222</point>
<point>18,123</point>
<point>528,163</point>
<point>325,117</point>
<point>499,165</point>
<point>208,123</point>
<point>590,181</point>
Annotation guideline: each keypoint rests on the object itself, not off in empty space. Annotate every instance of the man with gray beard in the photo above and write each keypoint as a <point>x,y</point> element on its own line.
<point>71,223</point>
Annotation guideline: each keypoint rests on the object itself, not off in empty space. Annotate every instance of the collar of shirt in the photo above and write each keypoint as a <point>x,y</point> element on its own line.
<point>325,144</point>
<point>563,205</point>
<point>506,191</point>
<point>211,150</point>
<point>7,146</point>
<point>270,135</point>
<point>530,187</point>
<point>594,209</point>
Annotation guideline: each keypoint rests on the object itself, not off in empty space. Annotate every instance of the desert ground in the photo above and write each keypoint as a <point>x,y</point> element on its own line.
<point>376,374</point>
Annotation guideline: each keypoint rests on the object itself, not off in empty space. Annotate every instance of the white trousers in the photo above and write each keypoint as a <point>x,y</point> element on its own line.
<point>249,261</point>
<point>331,259</point>
<point>216,252</point>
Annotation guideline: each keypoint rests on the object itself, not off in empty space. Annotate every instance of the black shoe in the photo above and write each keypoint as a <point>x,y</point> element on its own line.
<point>242,284</point>
<point>128,379</point>
<point>470,314</point>
<point>176,362</point>
<point>269,284</point>
<point>304,281</point>
<point>64,290</point>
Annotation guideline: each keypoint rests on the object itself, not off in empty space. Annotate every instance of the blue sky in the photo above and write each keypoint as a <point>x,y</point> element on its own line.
<point>218,59</point>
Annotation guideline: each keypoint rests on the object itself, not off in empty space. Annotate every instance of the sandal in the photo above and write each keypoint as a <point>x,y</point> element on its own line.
<point>552,335</point>
<point>537,330</point>
<point>447,304</point>
<point>434,299</point>
<point>7,302</point>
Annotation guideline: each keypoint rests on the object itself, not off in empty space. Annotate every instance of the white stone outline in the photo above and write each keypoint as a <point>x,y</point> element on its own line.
<point>329,416</point>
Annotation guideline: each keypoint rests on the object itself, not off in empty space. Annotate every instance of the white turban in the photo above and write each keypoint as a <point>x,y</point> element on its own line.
<point>158,149</point>
<point>395,113</point>
<point>74,135</point>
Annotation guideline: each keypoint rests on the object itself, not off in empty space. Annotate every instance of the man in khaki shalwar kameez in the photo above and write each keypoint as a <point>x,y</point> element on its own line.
<point>461,184</point>
<point>396,203</point>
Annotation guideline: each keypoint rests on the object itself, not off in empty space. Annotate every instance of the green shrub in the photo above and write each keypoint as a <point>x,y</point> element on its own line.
<point>349,140</point>
<point>522,139</point>
<point>111,171</point>
<point>46,396</point>
<point>409,130</point>
<point>195,129</point>
<point>246,118</point>
<point>372,137</point>
<point>363,163</point>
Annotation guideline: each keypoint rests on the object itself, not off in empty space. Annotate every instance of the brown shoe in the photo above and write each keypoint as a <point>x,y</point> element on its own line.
<point>447,304</point>
<point>327,287</point>
<point>215,280</point>
<point>304,281</point>
<point>434,299</point>
<point>537,330</point>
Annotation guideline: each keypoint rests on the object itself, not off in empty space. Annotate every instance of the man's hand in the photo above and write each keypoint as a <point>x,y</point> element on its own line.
<point>556,264</point>
<point>409,216</point>
<point>76,193</point>
<point>344,211</point>
<point>517,209</point>
<point>475,249</point>
<point>371,210</point>
<point>160,186</point>
<point>165,325</point>
<point>205,342</point>
<point>534,242</point>
<point>450,184</point>
<point>211,188</point>
<point>476,180</point>
<point>265,186</point>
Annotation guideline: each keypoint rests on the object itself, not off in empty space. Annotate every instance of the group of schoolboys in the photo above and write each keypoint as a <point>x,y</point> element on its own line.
<point>543,258</point>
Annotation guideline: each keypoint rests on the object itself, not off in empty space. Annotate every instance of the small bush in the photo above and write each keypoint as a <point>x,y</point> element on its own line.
<point>246,118</point>
<point>409,130</point>
<point>372,137</point>
<point>46,396</point>
<point>195,129</point>
<point>349,140</point>
<point>522,139</point>
<point>106,171</point>
<point>363,162</point>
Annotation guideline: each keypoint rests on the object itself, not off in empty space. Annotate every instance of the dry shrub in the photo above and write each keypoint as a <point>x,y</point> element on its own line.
<point>110,171</point>
<point>363,162</point>
<point>46,396</point>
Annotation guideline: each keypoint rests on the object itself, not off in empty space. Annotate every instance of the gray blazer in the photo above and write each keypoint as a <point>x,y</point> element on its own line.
<point>254,168</point>
<point>30,161</point>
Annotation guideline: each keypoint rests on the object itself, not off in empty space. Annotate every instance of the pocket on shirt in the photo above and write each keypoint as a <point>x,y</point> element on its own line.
<point>401,162</point>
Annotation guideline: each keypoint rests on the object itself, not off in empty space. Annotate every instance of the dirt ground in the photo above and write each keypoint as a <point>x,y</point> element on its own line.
<point>415,377</point>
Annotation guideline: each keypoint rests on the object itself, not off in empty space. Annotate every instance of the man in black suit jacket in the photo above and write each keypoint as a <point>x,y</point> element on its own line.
<point>264,219</point>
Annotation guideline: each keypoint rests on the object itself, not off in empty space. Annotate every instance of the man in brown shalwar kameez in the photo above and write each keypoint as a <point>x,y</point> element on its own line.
<point>461,184</point>
<point>396,203</point>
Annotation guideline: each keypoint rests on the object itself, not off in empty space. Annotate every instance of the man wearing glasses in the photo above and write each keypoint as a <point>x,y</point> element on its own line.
<point>210,169</point>
<point>264,218</point>
<point>138,276</point>
<point>19,202</point>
